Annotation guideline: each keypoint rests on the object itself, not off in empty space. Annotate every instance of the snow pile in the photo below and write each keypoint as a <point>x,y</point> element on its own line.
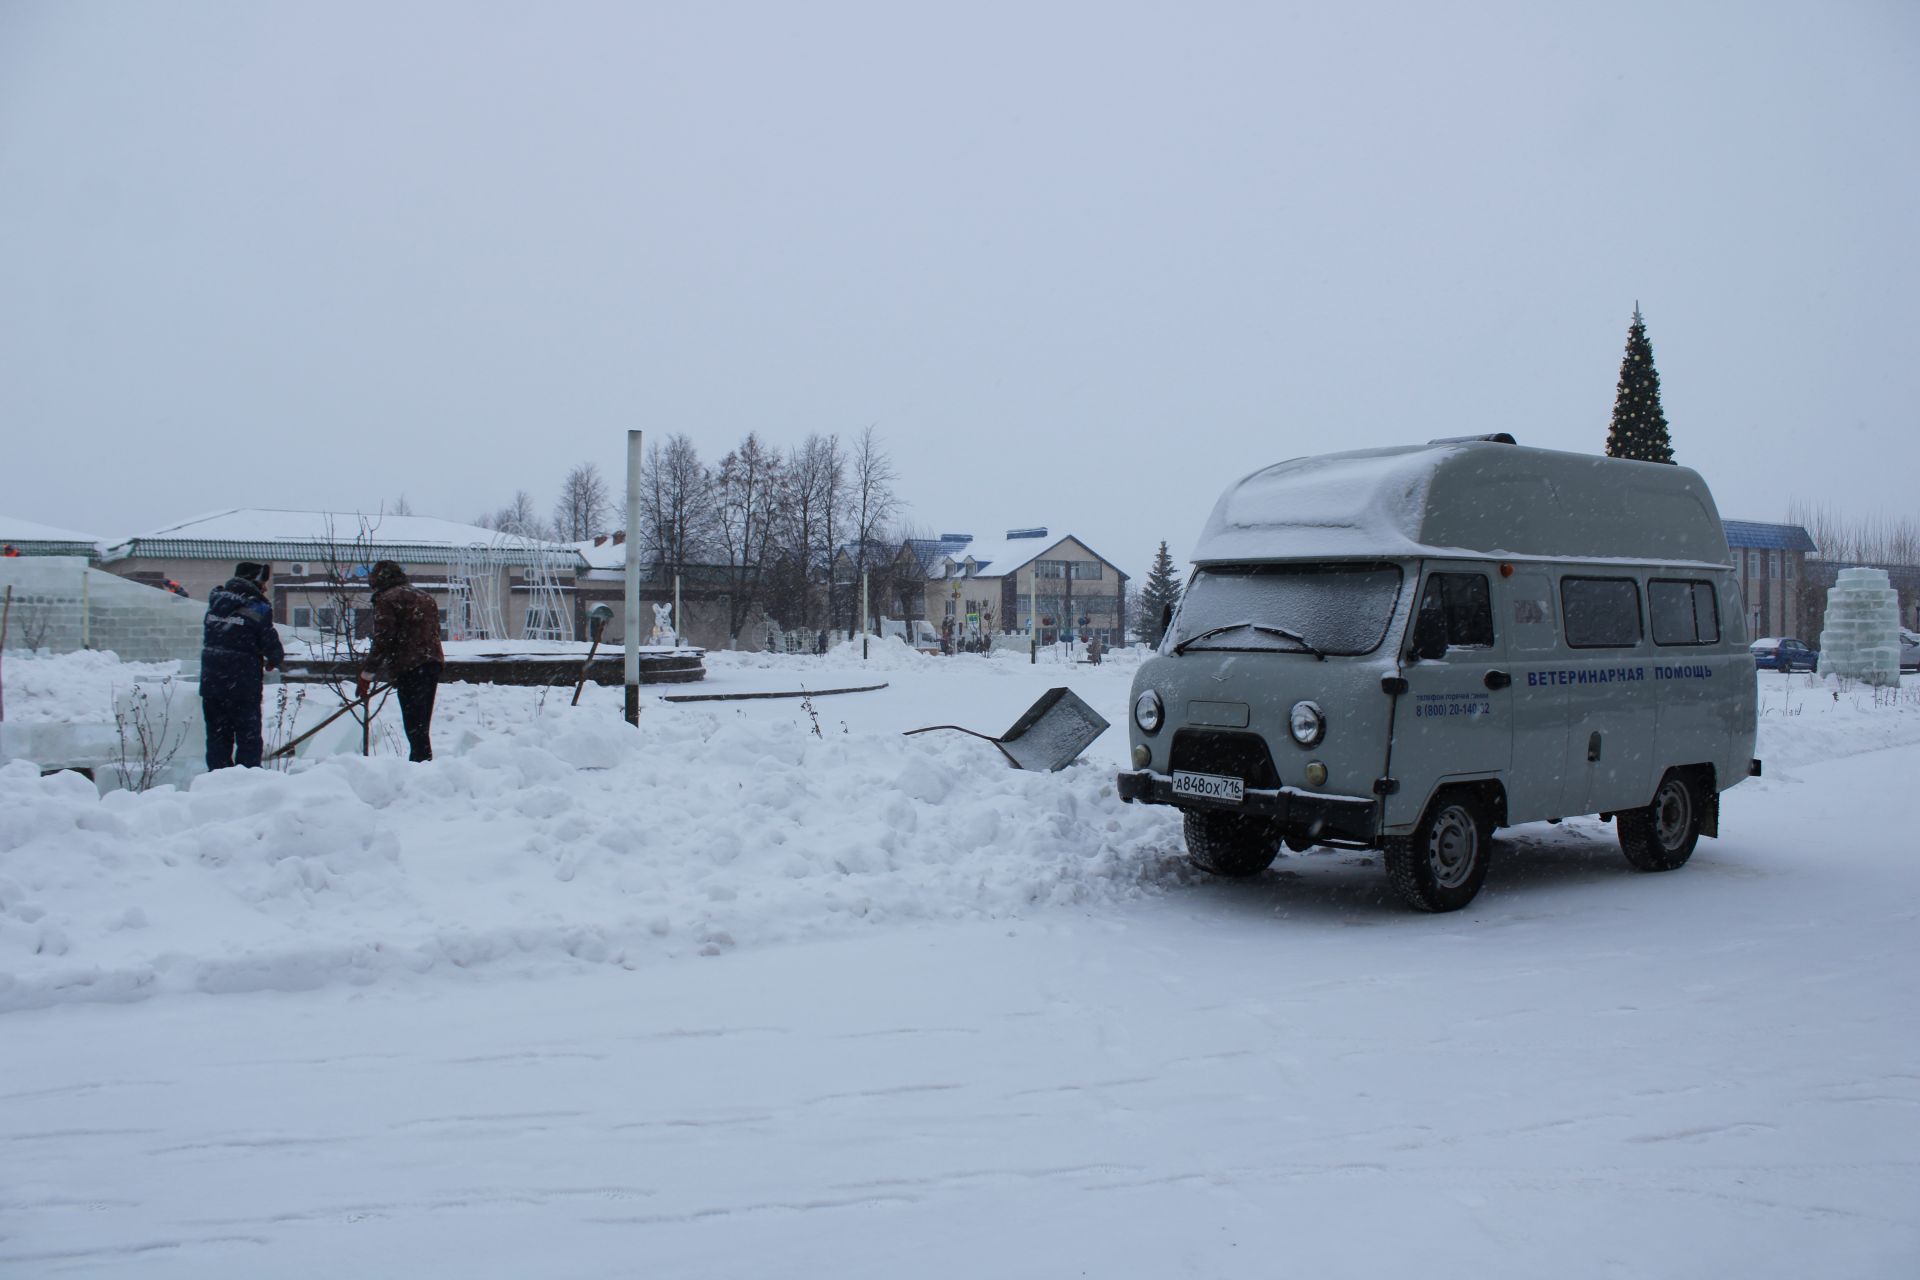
<point>883,653</point>
<point>561,838</point>
<point>548,835</point>
<point>892,654</point>
<point>1805,719</point>
<point>476,650</point>
<point>74,688</point>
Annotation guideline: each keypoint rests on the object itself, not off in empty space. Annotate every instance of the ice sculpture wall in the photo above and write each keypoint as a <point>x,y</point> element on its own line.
<point>1861,639</point>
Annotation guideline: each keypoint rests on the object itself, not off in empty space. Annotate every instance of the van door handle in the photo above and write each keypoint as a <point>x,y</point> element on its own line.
<point>1498,680</point>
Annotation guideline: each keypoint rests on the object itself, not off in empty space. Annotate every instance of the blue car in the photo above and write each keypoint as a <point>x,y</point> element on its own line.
<point>1783,653</point>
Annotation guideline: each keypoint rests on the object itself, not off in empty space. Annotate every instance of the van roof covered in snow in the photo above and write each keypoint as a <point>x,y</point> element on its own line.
<point>1466,497</point>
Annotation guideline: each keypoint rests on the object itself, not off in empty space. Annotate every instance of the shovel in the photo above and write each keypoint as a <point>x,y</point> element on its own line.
<point>598,620</point>
<point>287,749</point>
<point>1048,736</point>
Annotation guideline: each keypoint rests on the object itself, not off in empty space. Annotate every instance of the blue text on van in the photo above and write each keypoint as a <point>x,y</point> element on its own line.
<point>1612,675</point>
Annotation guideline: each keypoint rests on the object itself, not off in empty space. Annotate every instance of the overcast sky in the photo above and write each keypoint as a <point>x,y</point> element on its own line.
<point>1081,265</point>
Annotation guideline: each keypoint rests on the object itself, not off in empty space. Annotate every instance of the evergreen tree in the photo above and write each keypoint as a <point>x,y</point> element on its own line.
<point>1162,590</point>
<point>1639,427</point>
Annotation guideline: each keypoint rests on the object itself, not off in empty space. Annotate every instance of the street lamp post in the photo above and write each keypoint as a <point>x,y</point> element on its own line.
<point>1033,612</point>
<point>632,673</point>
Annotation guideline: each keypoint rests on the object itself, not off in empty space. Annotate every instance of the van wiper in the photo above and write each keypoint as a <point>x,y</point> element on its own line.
<point>1282,632</point>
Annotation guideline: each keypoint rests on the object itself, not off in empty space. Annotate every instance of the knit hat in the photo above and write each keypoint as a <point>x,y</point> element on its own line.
<point>253,571</point>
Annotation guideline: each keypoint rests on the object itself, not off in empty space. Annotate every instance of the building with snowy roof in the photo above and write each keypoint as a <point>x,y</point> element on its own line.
<point>31,539</point>
<point>488,584</point>
<point>972,586</point>
<point>252,533</point>
<point>1785,579</point>
<point>1771,561</point>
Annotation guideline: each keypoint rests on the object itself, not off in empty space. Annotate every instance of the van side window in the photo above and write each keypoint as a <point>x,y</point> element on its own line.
<point>1463,601</point>
<point>1683,612</point>
<point>1533,627</point>
<point>1600,613</point>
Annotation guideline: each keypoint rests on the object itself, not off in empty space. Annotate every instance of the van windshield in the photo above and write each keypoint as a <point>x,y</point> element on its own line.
<point>1333,609</point>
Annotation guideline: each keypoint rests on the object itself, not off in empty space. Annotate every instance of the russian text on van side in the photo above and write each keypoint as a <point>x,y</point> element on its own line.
<point>1612,675</point>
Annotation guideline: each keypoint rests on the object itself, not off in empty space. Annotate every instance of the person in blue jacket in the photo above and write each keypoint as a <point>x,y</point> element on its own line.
<point>239,647</point>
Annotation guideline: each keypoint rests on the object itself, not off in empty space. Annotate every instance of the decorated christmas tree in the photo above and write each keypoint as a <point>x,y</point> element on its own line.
<point>1639,428</point>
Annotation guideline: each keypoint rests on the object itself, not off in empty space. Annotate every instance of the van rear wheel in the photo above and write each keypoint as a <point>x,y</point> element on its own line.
<point>1661,836</point>
<point>1231,844</point>
<point>1442,865</point>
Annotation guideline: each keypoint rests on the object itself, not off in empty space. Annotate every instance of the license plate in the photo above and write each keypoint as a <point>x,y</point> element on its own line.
<point>1210,786</point>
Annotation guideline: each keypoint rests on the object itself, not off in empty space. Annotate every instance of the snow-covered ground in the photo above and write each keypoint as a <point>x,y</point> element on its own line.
<point>550,835</point>
<point>729,997</point>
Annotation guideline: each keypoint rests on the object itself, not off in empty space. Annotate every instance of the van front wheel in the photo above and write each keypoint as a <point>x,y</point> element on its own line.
<point>1661,836</point>
<point>1442,865</point>
<point>1231,844</point>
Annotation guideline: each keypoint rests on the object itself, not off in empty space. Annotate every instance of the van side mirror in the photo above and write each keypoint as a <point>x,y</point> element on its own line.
<point>1429,635</point>
<point>1166,616</point>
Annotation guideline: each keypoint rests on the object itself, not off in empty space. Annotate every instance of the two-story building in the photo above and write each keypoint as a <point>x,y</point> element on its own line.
<point>978,586</point>
<point>1771,561</point>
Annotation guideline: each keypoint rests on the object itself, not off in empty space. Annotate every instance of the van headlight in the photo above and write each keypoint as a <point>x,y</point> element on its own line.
<point>1147,712</point>
<point>1307,723</point>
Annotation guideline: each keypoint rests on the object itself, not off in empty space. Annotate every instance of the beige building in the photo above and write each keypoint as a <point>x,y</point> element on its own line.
<point>1771,561</point>
<point>979,586</point>
<point>484,582</point>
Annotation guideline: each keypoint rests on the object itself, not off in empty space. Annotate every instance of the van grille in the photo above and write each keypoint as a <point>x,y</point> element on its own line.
<point>1238,755</point>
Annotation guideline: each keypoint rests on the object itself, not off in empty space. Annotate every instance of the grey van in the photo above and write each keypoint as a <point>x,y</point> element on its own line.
<point>1405,649</point>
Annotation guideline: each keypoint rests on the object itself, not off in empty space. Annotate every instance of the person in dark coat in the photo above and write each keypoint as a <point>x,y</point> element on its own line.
<point>406,651</point>
<point>238,647</point>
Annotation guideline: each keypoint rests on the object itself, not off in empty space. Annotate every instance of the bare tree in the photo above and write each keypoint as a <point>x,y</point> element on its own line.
<point>34,616</point>
<point>345,621</point>
<point>675,505</point>
<point>400,507</point>
<point>746,494</point>
<point>1875,539</point>
<point>900,581</point>
<point>518,517</point>
<point>584,505</point>
<point>286,714</point>
<point>148,735</point>
<point>803,535</point>
<point>833,508</point>
<point>871,505</point>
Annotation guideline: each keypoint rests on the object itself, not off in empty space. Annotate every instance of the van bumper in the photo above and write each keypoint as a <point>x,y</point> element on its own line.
<point>1301,812</point>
